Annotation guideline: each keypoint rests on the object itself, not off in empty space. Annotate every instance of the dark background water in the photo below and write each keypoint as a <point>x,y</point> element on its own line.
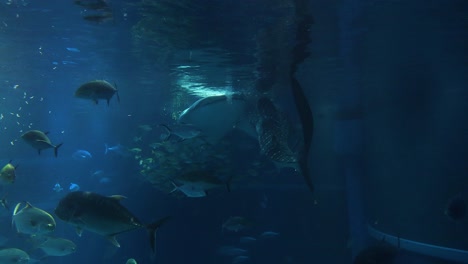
<point>386,81</point>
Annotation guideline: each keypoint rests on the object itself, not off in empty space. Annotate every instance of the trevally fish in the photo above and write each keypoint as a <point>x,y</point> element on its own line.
<point>99,17</point>
<point>118,150</point>
<point>81,154</point>
<point>96,90</point>
<point>32,220</point>
<point>182,131</point>
<point>13,256</point>
<point>189,190</point>
<point>103,215</point>
<point>57,246</point>
<point>8,174</point>
<point>39,140</point>
<point>236,223</point>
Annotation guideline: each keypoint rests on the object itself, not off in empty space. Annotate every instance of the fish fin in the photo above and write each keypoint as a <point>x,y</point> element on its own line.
<point>118,197</point>
<point>15,212</point>
<point>113,241</point>
<point>79,231</point>
<point>152,228</point>
<point>39,151</point>
<point>107,148</point>
<point>56,149</point>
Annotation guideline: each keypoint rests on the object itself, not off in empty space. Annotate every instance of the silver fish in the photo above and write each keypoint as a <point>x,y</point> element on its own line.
<point>13,256</point>
<point>191,191</point>
<point>118,150</point>
<point>81,154</point>
<point>236,223</point>
<point>103,215</point>
<point>39,140</point>
<point>32,220</point>
<point>182,131</point>
<point>57,246</point>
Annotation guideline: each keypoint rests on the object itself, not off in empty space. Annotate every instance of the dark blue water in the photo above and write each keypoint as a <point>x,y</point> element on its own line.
<point>386,82</point>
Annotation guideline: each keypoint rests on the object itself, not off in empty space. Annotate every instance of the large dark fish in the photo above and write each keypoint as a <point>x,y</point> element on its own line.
<point>99,18</point>
<point>300,53</point>
<point>39,140</point>
<point>95,90</point>
<point>103,215</point>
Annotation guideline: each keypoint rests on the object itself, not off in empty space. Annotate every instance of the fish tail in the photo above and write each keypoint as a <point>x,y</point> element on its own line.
<point>152,228</point>
<point>56,149</point>
<point>175,187</point>
<point>106,148</point>
<point>168,130</point>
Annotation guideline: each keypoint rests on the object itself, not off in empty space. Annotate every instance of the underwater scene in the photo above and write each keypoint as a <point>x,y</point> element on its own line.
<point>234,132</point>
